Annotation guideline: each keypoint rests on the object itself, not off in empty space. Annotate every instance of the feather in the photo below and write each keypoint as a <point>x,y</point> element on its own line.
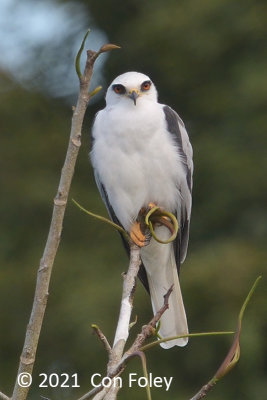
<point>160,266</point>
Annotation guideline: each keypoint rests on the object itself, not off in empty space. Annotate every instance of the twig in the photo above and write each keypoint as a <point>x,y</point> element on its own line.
<point>143,360</point>
<point>203,391</point>
<point>189,335</point>
<point>27,358</point>
<point>3,396</point>
<point>233,354</point>
<point>149,329</point>
<point>102,337</point>
<point>103,219</point>
<point>118,361</point>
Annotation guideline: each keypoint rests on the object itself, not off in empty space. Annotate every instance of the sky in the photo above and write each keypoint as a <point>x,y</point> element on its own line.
<point>39,41</point>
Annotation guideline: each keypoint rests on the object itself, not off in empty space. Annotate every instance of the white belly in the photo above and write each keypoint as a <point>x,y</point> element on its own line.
<point>138,164</point>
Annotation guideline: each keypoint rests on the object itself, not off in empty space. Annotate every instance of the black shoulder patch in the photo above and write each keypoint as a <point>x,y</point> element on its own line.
<point>173,128</point>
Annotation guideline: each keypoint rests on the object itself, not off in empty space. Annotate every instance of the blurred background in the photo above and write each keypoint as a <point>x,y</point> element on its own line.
<point>208,60</point>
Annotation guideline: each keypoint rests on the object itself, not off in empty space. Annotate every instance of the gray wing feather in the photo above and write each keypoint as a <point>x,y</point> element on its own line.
<point>105,199</point>
<point>176,127</point>
<point>142,272</point>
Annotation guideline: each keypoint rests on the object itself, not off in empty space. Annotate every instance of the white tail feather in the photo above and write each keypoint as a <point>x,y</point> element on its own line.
<point>160,265</point>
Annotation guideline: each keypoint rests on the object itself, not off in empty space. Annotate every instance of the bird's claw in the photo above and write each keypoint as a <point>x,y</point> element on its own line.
<point>140,233</point>
<point>138,236</point>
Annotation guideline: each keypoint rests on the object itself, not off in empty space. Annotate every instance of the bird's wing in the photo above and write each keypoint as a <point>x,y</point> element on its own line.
<point>105,198</point>
<point>142,272</point>
<point>176,127</point>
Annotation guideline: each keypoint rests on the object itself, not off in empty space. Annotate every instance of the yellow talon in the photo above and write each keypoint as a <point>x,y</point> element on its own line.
<point>137,235</point>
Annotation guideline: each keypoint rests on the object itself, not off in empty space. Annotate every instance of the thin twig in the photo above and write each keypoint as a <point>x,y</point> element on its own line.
<point>3,396</point>
<point>143,360</point>
<point>149,329</point>
<point>103,219</point>
<point>203,391</point>
<point>28,355</point>
<point>102,337</point>
<point>188,335</point>
<point>118,361</point>
<point>233,354</point>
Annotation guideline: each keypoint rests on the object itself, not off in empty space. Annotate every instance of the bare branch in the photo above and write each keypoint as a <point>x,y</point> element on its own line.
<point>115,365</point>
<point>149,329</point>
<point>3,396</point>
<point>122,331</point>
<point>27,358</point>
<point>233,354</point>
<point>102,337</point>
<point>203,391</point>
<point>143,360</point>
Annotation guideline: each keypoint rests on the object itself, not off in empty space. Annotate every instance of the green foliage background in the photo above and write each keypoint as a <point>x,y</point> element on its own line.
<point>208,61</point>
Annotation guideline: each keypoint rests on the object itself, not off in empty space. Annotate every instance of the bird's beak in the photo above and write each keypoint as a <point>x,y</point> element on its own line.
<point>134,94</point>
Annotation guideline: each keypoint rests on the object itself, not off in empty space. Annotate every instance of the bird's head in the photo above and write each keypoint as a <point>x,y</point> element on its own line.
<point>130,88</point>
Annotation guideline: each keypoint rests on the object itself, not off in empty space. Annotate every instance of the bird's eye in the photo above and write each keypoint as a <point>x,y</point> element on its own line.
<point>119,89</point>
<point>145,86</point>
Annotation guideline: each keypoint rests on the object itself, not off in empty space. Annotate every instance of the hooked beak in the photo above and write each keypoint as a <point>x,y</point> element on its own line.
<point>133,94</point>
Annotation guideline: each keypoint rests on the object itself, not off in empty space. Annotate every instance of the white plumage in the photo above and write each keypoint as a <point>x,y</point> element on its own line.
<point>138,158</point>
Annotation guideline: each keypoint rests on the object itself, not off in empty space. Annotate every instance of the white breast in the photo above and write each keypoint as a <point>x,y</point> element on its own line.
<point>136,159</point>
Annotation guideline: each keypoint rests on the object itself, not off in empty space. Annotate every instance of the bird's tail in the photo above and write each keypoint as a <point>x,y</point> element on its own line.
<point>160,265</point>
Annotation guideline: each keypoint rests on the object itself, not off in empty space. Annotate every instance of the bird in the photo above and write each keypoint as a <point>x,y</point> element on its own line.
<point>141,154</point>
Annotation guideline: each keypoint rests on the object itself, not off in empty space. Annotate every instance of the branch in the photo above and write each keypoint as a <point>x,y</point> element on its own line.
<point>137,350</point>
<point>233,354</point>
<point>28,355</point>
<point>3,396</point>
<point>188,335</point>
<point>115,365</point>
<point>103,219</point>
<point>118,361</point>
<point>102,337</point>
<point>149,329</point>
<point>122,331</point>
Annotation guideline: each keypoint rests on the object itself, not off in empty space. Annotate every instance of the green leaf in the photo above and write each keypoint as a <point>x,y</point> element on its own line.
<point>78,57</point>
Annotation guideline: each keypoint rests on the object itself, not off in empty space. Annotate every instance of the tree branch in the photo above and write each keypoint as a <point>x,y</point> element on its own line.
<point>122,330</point>
<point>3,396</point>
<point>115,367</point>
<point>149,329</point>
<point>102,337</point>
<point>118,360</point>
<point>203,391</point>
<point>27,358</point>
<point>233,354</point>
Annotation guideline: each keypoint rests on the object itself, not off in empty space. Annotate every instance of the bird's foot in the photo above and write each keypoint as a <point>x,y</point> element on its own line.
<point>140,233</point>
<point>137,235</point>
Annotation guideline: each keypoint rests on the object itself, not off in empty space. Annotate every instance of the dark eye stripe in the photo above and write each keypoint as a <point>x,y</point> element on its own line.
<point>119,89</point>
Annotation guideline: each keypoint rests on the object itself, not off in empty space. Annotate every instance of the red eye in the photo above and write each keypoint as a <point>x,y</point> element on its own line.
<point>119,89</point>
<point>145,86</point>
